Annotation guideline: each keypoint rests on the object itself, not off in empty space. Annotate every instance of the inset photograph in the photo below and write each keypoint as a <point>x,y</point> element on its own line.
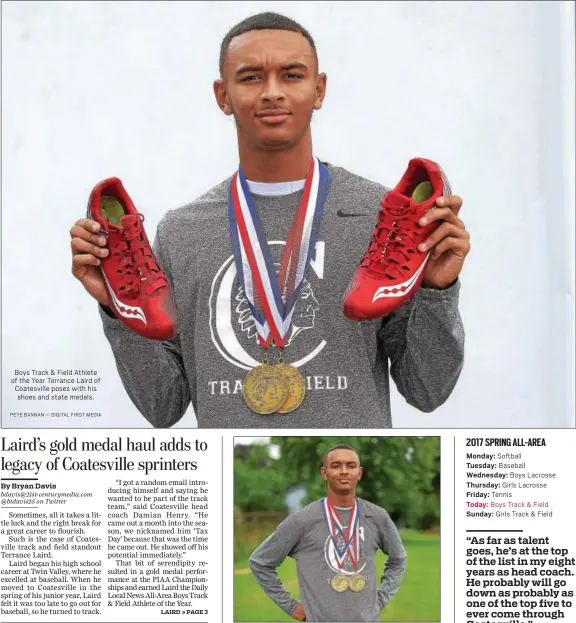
<point>337,529</point>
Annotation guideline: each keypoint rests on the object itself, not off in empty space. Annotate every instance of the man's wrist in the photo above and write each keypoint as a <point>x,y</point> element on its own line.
<point>433,293</point>
<point>431,286</point>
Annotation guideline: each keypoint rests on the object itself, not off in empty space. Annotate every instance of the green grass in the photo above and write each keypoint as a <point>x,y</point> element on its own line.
<point>418,599</point>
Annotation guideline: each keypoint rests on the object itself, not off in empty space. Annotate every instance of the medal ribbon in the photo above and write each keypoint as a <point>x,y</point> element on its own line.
<point>351,536</point>
<point>272,298</point>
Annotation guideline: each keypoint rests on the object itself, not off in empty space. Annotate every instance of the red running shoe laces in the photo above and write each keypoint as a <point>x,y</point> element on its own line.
<point>138,289</point>
<point>392,269</point>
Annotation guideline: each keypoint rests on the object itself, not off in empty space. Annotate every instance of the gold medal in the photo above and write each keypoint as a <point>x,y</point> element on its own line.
<point>357,583</point>
<point>296,387</point>
<point>265,389</point>
<point>339,583</point>
<point>271,297</point>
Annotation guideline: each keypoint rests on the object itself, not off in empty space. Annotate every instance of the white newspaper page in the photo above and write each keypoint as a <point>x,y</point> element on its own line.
<point>110,527</point>
<point>288,312</point>
<point>515,544</point>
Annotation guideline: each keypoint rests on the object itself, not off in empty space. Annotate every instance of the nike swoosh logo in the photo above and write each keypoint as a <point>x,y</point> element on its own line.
<point>341,213</point>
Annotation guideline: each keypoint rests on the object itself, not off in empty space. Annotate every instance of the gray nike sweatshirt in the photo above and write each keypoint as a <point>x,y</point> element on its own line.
<point>346,363</point>
<point>305,537</point>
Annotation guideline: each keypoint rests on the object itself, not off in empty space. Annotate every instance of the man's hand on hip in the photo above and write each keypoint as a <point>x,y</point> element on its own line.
<point>299,613</point>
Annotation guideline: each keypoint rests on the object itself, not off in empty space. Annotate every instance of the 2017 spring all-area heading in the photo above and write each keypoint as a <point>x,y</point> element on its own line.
<point>505,441</point>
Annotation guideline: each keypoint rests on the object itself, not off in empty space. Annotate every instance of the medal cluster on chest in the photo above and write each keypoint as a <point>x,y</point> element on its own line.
<point>346,544</point>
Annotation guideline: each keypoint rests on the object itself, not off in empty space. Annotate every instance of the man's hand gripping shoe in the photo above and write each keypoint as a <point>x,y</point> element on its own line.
<point>138,289</point>
<point>391,270</point>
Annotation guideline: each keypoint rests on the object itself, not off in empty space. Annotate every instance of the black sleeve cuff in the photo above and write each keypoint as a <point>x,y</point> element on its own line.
<point>108,311</point>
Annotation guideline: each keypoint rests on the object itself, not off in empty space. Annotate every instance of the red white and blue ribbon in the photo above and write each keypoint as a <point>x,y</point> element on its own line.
<point>272,297</point>
<point>351,536</point>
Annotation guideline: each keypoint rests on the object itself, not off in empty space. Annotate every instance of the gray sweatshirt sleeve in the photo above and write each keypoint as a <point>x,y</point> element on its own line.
<point>424,341</point>
<point>269,555</point>
<point>395,567</point>
<point>152,372</point>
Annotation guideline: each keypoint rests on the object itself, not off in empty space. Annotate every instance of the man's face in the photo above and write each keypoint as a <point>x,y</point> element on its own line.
<point>342,471</point>
<point>271,86</point>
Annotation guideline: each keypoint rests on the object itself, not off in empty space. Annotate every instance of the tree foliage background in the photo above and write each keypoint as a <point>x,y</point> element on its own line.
<point>401,474</point>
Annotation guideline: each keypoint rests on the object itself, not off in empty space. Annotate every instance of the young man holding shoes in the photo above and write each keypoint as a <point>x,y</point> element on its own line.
<point>270,82</point>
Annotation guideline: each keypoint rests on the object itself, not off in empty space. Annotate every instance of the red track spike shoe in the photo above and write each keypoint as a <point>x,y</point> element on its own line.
<point>138,289</point>
<point>392,269</point>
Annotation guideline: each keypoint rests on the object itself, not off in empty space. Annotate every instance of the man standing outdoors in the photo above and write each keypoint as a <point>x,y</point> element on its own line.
<point>334,542</point>
<point>225,252</point>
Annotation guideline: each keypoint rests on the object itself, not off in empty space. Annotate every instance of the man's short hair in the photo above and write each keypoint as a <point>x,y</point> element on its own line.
<point>340,446</point>
<point>263,21</point>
